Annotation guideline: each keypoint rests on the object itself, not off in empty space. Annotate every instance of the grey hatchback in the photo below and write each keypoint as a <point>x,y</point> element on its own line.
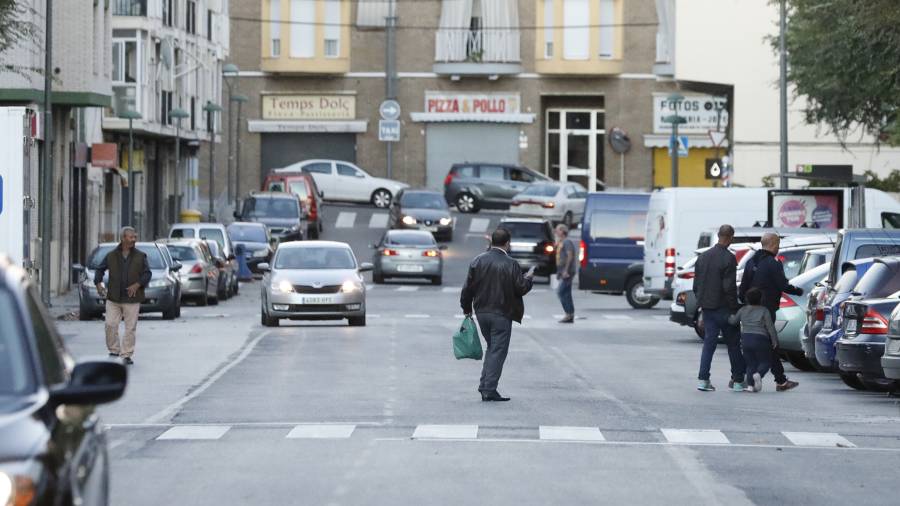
<point>478,185</point>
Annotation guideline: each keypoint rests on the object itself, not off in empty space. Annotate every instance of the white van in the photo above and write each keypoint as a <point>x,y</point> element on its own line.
<point>677,216</point>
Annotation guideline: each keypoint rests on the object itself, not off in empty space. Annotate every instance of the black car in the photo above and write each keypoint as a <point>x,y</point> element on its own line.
<point>52,444</point>
<point>422,210</point>
<point>531,244</point>
<point>254,240</point>
<point>282,213</point>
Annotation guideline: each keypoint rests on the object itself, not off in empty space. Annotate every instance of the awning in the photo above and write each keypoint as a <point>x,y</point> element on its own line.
<point>694,141</point>
<point>452,117</point>
<point>351,126</point>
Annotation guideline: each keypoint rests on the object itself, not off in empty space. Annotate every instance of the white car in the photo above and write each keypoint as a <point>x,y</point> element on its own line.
<point>344,181</point>
<point>554,202</point>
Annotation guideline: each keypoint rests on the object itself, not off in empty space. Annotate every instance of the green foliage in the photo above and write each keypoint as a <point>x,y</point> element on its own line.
<point>844,55</point>
<point>889,184</point>
<point>12,27</point>
<point>768,181</point>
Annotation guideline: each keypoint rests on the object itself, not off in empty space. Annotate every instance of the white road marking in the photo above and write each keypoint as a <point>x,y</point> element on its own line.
<point>373,315</point>
<point>527,317</point>
<point>345,220</point>
<point>421,316</point>
<point>407,288</point>
<point>616,316</point>
<point>552,433</point>
<point>446,432</point>
<point>378,220</point>
<point>661,317</point>
<point>479,225</point>
<point>695,436</point>
<point>818,439</point>
<point>538,290</point>
<point>320,431</point>
<point>370,287</point>
<point>194,432</point>
<point>451,289</point>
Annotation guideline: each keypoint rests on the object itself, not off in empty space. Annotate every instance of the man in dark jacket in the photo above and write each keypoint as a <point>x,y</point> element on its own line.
<point>494,287</point>
<point>715,286</point>
<point>129,274</point>
<point>766,272</point>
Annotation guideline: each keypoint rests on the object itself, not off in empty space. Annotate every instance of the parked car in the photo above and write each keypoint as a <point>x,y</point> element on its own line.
<point>473,186</point>
<point>53,446</point>
<point>226,274</point>
<point>408,254</point>
<point>344,181</point>
<point>282,213</point>
<point>554,202</point>
<point>255,239</point>
<point>162,295</point>
<point>890,361</point>
<point>303,185</point>
<point>212,232</point>
<point>314,280</point>
<point>199,273</point>
<point>754,234</point>
<point>816,257</point>
<point>532,244</point>
<point>611,250</point>
<point>422,210</point>
<point>791,317</point>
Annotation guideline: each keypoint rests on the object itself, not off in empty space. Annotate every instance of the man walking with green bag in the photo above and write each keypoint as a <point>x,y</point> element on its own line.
<point>494,288</point>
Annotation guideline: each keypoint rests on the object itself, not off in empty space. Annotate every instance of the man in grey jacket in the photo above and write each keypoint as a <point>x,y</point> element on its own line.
<point>715,286</point>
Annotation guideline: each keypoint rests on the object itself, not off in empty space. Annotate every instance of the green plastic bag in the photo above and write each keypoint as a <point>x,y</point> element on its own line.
<point>466,343</point>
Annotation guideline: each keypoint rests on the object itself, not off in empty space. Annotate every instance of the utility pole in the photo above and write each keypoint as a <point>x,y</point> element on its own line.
<point>782,55</point>
<point>46,228</point>
<point>211,110</point>
<point>239,100</point>
<point>675,101</point>
<point>390,67</point>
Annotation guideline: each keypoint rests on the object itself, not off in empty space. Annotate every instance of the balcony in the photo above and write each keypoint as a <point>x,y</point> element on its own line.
<point>479,52</point>
<point>130,8</point>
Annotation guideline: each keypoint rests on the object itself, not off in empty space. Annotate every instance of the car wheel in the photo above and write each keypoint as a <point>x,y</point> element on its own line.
<point>466,203</point>
<point>213,301</point>
<point>266,320</point>
<point>378,277</point>
<point>203,300</point>
<point>798,360</point>
<point>178,309</point>
<point>237,286</point>
<point>169,314</point>
<point>381,198</point>
<point>567,220</point>
<point>852,381</point>
<point>437,280</point>
<point>634,293</point>
<point>357,321</point>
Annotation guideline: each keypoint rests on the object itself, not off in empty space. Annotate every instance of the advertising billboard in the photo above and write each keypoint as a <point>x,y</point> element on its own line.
<point>806,208</point>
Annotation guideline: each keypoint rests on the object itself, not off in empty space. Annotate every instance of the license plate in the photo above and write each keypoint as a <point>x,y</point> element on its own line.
<point>827,323</point>
<point>851,326</point>
<point>522,248</point>
<point>410,268</point>
<point>317,300</point>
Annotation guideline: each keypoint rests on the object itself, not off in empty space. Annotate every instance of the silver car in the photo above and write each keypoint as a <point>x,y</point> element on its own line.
<point>313,280</point>
<point>199,272</point>
<point>554,202</point>
<point>408,254</point>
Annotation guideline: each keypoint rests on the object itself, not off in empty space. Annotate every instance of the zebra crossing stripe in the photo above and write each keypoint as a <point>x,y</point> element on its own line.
<point>407,288</point>
<point>695,436</point>
<point>321,431</point>
<point>446,432</point>
<point>616,316</point>
<point>197,432</point>
<point>345,220</point>
<point>479,225</point>
<point>818,439</point>
<point>378,220</point>
<point>552,433</point>
<point>451,289</point>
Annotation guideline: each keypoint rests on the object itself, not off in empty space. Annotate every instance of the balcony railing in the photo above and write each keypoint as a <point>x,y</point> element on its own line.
<point>486,45</point>
<point>129,7</point>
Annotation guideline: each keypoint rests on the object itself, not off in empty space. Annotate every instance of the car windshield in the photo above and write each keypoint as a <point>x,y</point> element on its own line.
<point>320,257</point>
<point>523,230</point>
<point>183,253</point>
<point>213,234</point>
<point>410,239</point>
<point>247,233</point>
<point>417,200</point>
<point>154,257</point>
<point>271,208</point>
<point>791,262</point>
<point>16,376</point>
<point>542,190</point>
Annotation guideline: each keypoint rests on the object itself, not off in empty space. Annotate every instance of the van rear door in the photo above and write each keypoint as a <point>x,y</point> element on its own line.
<point>613,237</point>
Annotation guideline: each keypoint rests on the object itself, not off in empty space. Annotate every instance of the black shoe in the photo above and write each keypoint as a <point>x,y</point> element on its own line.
<point>494,396</point>
<point>128,361</point>
<point>113,355</point>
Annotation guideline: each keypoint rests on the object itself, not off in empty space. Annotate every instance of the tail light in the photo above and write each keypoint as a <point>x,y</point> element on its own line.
<point>582,254</point>
<point>431,253</point>
<point>820,314</point>
<point>448,179</point>
<point>549,205</point>
<point>196,269</point>
<point>670,262</point>
<point>786,302</point>
<point>389,252</point>
<point>687,275</point>
<point>739,254</point>
<point>549,249</point>
<point>874,323</point>
<point>515,203</point>
<point>311,204</point>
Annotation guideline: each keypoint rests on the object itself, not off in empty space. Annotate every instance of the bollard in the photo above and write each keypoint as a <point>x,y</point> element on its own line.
<point>244,274</point>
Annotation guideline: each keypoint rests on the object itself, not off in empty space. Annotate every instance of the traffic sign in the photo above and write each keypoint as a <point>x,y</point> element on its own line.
<point>717,138</point>
<point>714,169</point>
<point>389,110</point>
<point>682,146</point>
<point>389,130</point>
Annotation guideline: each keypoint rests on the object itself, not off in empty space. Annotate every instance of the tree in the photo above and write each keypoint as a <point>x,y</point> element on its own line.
<point>15,28</point>
<point>844,56</point>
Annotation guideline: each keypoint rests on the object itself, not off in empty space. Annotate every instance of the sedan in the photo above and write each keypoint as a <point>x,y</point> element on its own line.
<point>791,317</point>
<point>253,240</point>
<point>554,202</point>
<point>162,295</point>
<point>344,181</point>
<point>408,254</point>
<point>531,244</point>
<point>53,446</point>
<point>313,280</point>
<point>199,274</point>
<point>859,350</point>
<point>422,210</point>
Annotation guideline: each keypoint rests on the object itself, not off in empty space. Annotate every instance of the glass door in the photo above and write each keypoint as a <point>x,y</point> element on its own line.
<point>574,146</point>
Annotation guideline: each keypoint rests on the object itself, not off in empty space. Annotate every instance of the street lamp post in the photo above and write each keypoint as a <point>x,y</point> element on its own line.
<point>178,114</point>
<point>229,72</point>
<point>675,100</point>
<point>211,110</point>
<point>239,100</point>
<point>128,206</point>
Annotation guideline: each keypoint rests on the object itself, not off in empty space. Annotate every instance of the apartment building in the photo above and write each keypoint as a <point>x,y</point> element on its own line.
<point>535,82</point>
<point>167,58</point>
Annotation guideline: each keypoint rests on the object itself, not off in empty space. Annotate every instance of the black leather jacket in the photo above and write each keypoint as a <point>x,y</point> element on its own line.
<point>495,284</point>
<point>715,279</point>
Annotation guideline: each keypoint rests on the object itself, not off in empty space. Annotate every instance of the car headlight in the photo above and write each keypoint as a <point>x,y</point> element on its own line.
<point>351,286</point>
<point>260,253</point>
<point>283,286</point>
<point>16,489</point>
<point>408,220</point>
<point>445,221</point>
<point>158,283</point>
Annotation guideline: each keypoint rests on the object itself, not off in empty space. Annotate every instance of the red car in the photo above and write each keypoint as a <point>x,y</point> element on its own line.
<point>304,186</point>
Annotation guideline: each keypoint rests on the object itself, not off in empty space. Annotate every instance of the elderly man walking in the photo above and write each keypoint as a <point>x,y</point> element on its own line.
<point>129,274</point>
<point>494,287</point>
<point>566,257</point>
<point>765,272</point>
<point>715,285</point>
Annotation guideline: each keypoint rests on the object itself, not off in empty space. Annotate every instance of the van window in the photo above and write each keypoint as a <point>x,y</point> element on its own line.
<point>617,225</point>
<point>877,250</point>
<point>466,171</point>
<point>890,220</point>
<point>182,233</point>
<point>493,173</point>
<point>213,234</point>
<point>299,188</point>
<point>276,186</point>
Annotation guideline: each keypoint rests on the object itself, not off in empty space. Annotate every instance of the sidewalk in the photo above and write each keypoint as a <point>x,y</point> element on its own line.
<point>65,306</point>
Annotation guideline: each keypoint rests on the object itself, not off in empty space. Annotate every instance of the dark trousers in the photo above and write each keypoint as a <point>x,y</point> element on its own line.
<point>716,321</point>
<point>564,292</point>
<point>757,354</point>
<point>496,330</point>
<point>776,364</point>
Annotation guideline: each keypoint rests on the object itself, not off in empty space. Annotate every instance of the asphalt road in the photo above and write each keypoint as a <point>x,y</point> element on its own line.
<point>221,411</point>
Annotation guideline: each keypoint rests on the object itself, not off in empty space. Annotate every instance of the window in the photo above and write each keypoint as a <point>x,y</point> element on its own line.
<point>190,24</point>
<point>303,28</point>
<point>318,168</point>
<point>520,175</point>
<point>298,188</point>
<point>183,233</point>
<point>165,104</point>
<point>493,173</point>
<point>526,230</point>
<point>542,190</point>
<point>332,29</point>
<point>213,234</point>
<point>423,200</point>
<point>183,253</point>
<point>372,13</point>
<point>409,238</point>
<point>618,225</point>
<point>275,27</point>
<point>314,258</point>
<point>168,12</point>
<point>346,170</point>
<point>548,29</point>
<point>15,365</point>
<point>125,60</point>
<point>607,28</point>
<point>791,261</point>
<point>890,220</point>
<point>877,250</point>
<point>467,171</point>
<point>48,345</point>
<point>576,34</point>
<point>209,24</point>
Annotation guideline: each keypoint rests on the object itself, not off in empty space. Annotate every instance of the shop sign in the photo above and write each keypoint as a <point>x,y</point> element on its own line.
<point>701,112</point>
<point>105,155</point>
<point>309,107</point>
<point>472,103</point>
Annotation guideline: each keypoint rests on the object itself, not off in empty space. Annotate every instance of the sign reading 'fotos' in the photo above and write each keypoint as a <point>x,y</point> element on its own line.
<point>309,107</point>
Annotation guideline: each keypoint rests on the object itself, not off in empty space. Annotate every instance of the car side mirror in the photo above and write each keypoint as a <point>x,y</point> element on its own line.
<point>92,382</point>
<point>321,194</point>
<point>443,247</point>
<point>273,241</point>
<point>78,267</point>
<point>373,246</point>
<point>231,257</point>
<point>366,266</point>
<point>176,267</point>
<point>264,267</point>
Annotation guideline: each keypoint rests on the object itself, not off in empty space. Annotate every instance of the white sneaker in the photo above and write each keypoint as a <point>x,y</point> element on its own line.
<point>757,382</point>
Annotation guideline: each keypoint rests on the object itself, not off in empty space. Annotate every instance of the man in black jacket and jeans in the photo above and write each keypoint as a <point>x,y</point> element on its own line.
<point>495,286</point>
<point>715,285</point>
<point>766,272</point>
